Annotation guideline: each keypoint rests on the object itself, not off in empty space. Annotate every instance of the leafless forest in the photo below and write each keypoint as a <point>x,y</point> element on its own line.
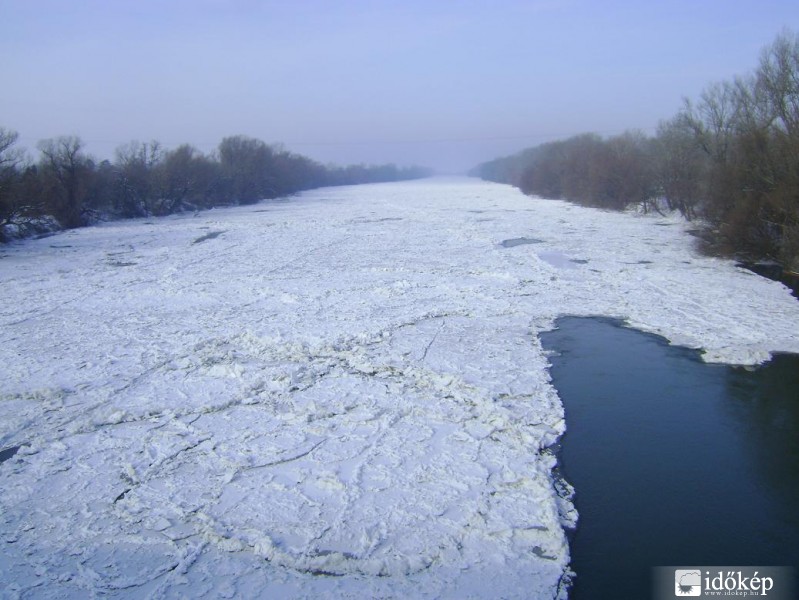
<point>730,158</point>
<point>67,188</point>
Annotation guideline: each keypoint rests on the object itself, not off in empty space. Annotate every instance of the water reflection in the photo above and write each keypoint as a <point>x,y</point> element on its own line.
<point>675,462</point>
<point>765,404</point>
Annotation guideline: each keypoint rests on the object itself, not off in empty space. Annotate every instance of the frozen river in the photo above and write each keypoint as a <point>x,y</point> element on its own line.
<point>339,394</point>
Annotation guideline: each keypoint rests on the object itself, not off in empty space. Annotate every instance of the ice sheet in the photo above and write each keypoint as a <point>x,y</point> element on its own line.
<point>343,394</point>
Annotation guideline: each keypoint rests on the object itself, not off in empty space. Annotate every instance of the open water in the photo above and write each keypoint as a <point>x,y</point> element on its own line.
<point>674,461</point>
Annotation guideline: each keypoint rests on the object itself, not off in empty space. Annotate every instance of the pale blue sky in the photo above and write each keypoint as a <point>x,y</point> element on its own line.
<point>446,84</point>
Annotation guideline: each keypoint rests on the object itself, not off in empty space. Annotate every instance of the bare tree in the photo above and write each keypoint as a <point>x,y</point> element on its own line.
<point>778,78</point>
<point>10,158</point>
<point>185,178</point>
<point>777,88</point>
<point>714,119</point>
<point>247,166</point>
<point>626,172</point>
<point>63,159</point>
<point>136,163</point>
<point>680,166</point>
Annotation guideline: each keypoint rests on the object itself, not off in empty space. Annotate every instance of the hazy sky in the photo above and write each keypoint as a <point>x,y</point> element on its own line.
<point>442,83</point>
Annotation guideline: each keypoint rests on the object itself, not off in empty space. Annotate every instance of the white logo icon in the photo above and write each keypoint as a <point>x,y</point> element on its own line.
<point>687,583</point>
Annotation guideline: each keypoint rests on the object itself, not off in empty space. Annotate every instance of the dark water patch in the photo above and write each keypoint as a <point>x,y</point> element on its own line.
<point>769,269</point>
<point>674,461</point>
<point>512,243</point>
<point>540,553</point>
<point>58,246</point>
<point>119,263</point>
<point>776,272</point>
<point>208,236</point>
<point>383,220</point>
<point>8,453</point>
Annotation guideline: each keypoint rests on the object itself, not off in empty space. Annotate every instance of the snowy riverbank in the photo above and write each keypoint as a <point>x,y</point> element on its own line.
<point>341,393</point>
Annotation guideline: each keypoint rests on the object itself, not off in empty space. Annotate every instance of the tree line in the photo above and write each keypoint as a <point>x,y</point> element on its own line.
<point>729,159</point>
<point>67,188</point>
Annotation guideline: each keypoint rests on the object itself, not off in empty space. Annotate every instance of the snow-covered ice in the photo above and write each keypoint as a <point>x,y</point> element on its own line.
<point>338,395</point>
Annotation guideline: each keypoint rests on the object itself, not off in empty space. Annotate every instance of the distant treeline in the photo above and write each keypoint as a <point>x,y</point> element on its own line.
<point>66,188</point>
<point>730,159</point>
